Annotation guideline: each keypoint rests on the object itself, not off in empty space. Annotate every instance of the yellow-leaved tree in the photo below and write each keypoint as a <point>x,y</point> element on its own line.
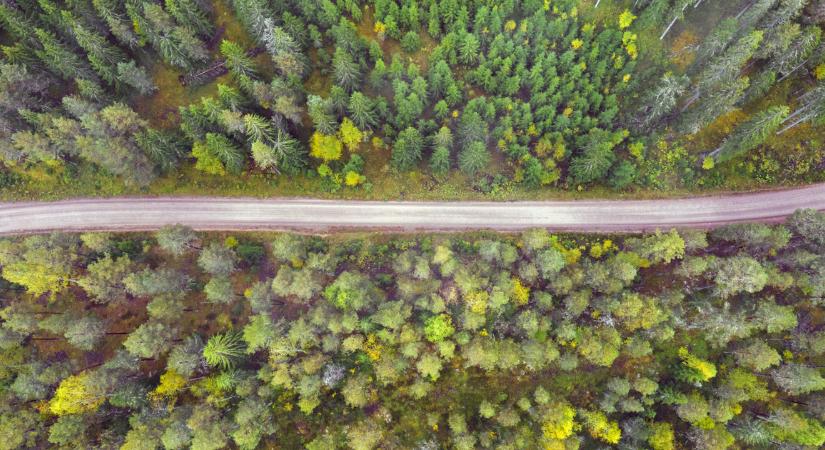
<point>350,135</point>
<point>40,263</point>
<point>557,422</point>
<point>661,436</point>
<point>325,147</point>
<point>601,428</point>
<point>37,278</point>
<point>76,395</point>
<point>171,383</point>
<point>705,370</point>
<point>626,19</point>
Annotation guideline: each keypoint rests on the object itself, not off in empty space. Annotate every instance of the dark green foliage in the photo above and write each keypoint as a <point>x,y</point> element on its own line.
<point>526,80</point>
<point>473,158</point>
<point>407,149</point>
<point>411,42</point>
<point>440,161</point>
<point>596,157</point>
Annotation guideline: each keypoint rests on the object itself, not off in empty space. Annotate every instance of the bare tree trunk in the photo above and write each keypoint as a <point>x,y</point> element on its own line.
<point>793,125</point>
<point>745,9</point>
<point>691,101</point>
<point>673,22</point>
<point>792,71</point>
<point>667,30</point>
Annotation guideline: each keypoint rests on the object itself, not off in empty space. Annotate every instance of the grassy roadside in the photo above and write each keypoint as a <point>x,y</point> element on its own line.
<point>87,182</point>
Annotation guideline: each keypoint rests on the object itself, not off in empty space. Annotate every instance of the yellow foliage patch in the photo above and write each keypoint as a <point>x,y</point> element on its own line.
<point>558,422</point>
<point>373,348</point>
<point>325,147</point>
<point>37,278</point>
<point>477,301</point>
<point>521,293</point>
<point>601,428</point>
<point>706,369</point>
<point>626,19</point>
<point>171,383</point>
<point>350,135</point>
<point>353,178</point>
<point>75,396</point>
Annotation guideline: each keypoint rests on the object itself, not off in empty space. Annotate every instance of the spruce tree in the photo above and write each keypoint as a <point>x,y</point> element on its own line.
<point>750,134</point>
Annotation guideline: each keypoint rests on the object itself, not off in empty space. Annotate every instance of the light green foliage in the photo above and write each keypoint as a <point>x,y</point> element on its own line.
<point>150,340</point>
<point>438,328</point>
<point>223,350</point>
<point>217,259</point>
<point>259,333</point>
<point>104,278</point>
<point>176,239</point>
<point>459,328</point>
<point>740,274</point>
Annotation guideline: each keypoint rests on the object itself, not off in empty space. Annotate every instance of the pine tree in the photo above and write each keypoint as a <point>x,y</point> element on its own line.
<point>361,111</point>
<point>320,111</point>
<point>109,139</point>
<point>103,56</point>
<point>468,49</point>
<point>281,153</point>
<point>787,11</point>
<point>474,158</point>
<point>812,108</point>
<point>750,134</point>
<point>727,66</point>
<point>717,41</point>
<point>406,151</point>
<point>190,13</point>
<point>662,99</point>
<point>753,13</point>
<point>285,52</point>
<point>216,154</point>
<point>253,14</point>
<point>177,45</point>
<point>345,69</point>
<point>239,64</point>
<point>116,19</point>
<point>257,128</point>
<point>713,105</point>
<point>224,350</point>
<point>59,57</point>
<point>596,156</point>
<point>136,77</point>
<point>15,23</point>
<point>759,86</point>
<point>677,11</point>
<point>795,56</point>
<point>440,161</point>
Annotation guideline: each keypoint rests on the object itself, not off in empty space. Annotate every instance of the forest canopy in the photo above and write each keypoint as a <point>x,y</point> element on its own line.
<point>676,339</point>
<point>367,98</point>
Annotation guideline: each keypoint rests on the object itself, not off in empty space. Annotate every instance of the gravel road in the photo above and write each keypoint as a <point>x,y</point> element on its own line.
<point>209,213</point>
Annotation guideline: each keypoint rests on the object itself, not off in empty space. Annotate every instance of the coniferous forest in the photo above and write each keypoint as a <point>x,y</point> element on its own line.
<point>673,340</point>
<point>409,98</point>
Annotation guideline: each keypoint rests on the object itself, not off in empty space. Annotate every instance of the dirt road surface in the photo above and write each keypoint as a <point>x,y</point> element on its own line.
<point>209,213</point>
